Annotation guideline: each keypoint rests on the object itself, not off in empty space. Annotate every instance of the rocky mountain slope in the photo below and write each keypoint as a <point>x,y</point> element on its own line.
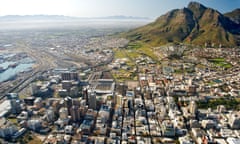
<point>195,24</point>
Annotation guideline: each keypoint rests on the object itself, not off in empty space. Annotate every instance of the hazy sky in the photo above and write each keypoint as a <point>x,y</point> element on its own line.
<point>98,8</point>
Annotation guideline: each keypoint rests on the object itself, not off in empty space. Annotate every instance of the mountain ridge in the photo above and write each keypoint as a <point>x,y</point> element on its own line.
<point>62,17</point>
<point>194,24</point>
<point>234,15</point>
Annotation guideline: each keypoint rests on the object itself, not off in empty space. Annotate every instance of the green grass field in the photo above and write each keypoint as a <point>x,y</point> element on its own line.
<point>220,62</point>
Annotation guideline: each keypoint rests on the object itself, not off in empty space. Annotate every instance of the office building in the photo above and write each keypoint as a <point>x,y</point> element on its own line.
<point>75,113</point>
<point>92,100</point>
<point>70,76</point>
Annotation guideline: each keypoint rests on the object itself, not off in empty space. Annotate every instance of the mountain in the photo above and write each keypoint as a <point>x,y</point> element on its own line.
<point>195,24</point>
<point>60,17</point>
<point>34,17</point>
<point>125,17</point>
<point>234,15</point>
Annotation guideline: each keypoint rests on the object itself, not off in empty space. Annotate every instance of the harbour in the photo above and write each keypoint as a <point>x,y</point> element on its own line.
<point>13,64</point>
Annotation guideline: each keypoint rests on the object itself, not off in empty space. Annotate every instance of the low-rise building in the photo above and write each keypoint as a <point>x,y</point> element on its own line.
<point>34,124</point>
<point>7,129</point>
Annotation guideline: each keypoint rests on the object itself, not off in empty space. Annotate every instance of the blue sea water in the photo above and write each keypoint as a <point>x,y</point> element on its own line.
<point>12,71</point>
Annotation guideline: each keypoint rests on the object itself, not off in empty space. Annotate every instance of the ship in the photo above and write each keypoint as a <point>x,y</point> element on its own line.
<point>13,65</point>
<point>2,69</point>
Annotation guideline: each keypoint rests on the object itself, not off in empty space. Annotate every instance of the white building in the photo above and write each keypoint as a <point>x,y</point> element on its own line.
<point>34,124</point>
<point>234,120</point>
<point>186,140</point>
<point>119,100</point>
<point>38,102</point>
<point>193,107</point>
<point>63,113</point>
<point>233,140</point>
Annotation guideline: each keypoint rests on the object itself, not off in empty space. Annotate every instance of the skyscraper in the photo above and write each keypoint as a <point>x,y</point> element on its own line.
<point>75,113</point>
<point>63,113</point>
<point>92,100</point>
<point>68,103</point>
<point>193,107</point>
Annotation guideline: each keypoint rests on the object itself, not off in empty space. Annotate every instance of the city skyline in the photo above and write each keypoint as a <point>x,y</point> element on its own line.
<point>106,72</point>
<point>102,8</point>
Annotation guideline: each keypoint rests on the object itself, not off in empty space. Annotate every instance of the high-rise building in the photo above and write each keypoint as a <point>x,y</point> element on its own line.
<point>14,102</point>
<point>221,108</point>
<point>15,106</point>
<point>85,94</point>
<point>75,113</point>
<point>119,100</point>
<point>67,85</point>
<point>38,103</point>
<point>63,113</point>
<point>50,116</point>
<point>68,103</point>
<point>82,111</point>
<point>73,91</point>
<point>76,102</point>
<point>192,89</point>
<point>35,88</point>
<point>92,100</point>
<point>69,76</point>
<point>193,107</point>
<point>12,96</point>
<point>56,106</point>
<point>121,89</point>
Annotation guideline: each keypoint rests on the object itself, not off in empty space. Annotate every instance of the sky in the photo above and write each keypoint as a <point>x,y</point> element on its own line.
<point>101,8</point>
